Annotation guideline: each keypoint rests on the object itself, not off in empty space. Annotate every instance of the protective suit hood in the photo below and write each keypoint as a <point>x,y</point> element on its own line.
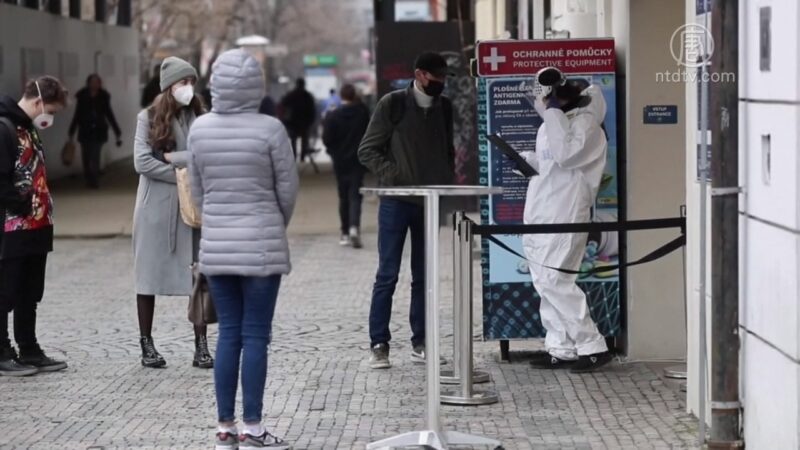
<point>592,102</point>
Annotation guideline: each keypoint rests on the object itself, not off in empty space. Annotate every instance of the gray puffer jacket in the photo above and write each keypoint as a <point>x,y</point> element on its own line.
<point>243,175</point>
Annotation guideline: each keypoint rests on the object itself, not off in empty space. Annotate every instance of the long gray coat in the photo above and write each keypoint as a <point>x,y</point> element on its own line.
<point>162,243</point>
<point>243,175</point>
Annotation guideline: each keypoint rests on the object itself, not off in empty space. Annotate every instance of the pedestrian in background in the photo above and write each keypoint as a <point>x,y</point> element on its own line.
<point>344,128</point>
<point>152,88</point>
<point>298,113</point>
<point>331,103</point>
<point>93,114</point>
<point>245,182</point>
<point>268,106</point>
<point>27,211</point>
<point>163,245</point>
<point>409,142</point>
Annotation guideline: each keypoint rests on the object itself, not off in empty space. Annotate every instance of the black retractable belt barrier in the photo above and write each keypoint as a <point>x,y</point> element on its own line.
<point>488,231</point>
<point>558,228</point>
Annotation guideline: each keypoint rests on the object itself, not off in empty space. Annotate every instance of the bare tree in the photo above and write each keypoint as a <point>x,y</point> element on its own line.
<point>198,30</point>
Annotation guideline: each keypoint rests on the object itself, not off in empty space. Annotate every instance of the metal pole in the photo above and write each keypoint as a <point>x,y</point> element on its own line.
<point>680,372</point>
<point>725,404</point>
<point>701,439</point>
<point>462,304</point>
<point>466,395</point>
<point>458,293</point>
<point>465,242</point>
<point>432,308</point>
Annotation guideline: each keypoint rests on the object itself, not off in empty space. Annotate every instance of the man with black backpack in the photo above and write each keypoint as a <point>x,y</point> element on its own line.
<point>26,209</point>
<point>409,142</point>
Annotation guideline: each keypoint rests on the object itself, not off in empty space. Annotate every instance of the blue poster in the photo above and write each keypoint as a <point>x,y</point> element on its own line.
<point>511,303</point>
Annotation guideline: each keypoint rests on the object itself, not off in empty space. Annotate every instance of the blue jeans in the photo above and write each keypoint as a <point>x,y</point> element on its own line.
<point>245,307</point>
<point>395,219</point>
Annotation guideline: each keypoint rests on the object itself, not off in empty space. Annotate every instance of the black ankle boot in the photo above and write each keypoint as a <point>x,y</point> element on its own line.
<point>202,357</point>
<point>150,356</point>
<point>33,355</point>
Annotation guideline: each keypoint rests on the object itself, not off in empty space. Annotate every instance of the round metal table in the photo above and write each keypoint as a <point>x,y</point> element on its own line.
<point>432,436</point>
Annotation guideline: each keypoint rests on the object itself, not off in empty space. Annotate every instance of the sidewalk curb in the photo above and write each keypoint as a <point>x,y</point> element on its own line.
<point>98,236</point>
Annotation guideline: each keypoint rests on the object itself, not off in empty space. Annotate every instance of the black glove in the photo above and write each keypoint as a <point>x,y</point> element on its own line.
<point>159,155</point>
<point>515,167</point>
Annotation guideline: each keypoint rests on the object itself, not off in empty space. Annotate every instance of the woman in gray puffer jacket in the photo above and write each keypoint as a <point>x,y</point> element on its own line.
<point>245,182</point>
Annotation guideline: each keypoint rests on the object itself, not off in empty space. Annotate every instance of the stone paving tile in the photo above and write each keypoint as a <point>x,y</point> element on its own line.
<point>321,393</point>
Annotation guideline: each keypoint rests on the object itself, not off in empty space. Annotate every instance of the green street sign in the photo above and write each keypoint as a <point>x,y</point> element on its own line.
<point>320,60</point>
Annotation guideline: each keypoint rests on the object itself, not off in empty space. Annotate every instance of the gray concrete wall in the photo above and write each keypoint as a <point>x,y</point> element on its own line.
<point>769,164</point>
<point>656,163</point>
<point>36,43</point>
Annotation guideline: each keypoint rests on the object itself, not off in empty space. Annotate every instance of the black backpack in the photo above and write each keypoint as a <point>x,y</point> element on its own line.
<point>11,128</point>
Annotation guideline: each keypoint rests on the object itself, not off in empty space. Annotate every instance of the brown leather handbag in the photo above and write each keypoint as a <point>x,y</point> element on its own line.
<point>68,153</point>
<point>201,307</point>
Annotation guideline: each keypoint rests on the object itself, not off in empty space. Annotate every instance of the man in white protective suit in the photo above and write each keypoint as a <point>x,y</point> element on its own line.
<point>570,157</point>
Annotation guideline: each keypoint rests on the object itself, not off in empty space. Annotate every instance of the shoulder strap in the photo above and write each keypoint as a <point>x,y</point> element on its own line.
<point>11,128</point>
<point>397,106</point>
<point>8,124</point>
<point>447,106</point>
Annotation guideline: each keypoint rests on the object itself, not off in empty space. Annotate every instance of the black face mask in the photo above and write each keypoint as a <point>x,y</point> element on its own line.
<point>434,88</point>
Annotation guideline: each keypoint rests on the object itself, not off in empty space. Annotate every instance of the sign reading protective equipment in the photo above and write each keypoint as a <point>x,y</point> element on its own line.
<point>525,58</point>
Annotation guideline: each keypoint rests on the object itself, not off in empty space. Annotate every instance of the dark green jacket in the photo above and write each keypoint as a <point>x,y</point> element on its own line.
<point>416,151</point>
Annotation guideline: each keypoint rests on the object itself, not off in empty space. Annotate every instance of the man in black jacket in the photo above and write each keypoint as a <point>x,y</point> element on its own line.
<point>298,111</point>
<point>344,128</point>
<point>26,209</point>
<point>92,115</point>
<point>409,142</point>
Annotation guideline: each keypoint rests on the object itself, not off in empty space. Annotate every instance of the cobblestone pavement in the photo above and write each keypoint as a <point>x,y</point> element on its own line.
<point>321,393</point>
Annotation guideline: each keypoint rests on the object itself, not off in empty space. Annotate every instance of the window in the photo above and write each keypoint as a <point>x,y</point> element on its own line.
<point>765,38</point>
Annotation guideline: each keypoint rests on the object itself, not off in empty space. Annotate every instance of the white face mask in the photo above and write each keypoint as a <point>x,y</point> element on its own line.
<point>184,94</point>
<point>43,121</point>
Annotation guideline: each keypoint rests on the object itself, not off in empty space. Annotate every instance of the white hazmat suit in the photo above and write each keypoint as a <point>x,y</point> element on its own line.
<point>570,157</point>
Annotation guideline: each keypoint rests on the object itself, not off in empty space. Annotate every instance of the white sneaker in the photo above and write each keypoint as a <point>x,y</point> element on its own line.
<point>355,238</point>
<point>418,355</point>
<point>344,241</point>
<point>266,440</point>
